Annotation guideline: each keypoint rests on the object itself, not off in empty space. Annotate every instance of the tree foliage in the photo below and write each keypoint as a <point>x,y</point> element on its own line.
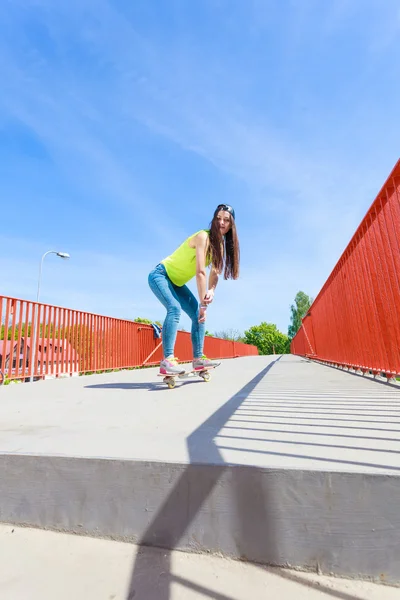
<point>229,334</point>
<point>298,310</point>
<point>25,331</point>
<point>267,338</point>
<point>8,334</point>
<point>146,321</point>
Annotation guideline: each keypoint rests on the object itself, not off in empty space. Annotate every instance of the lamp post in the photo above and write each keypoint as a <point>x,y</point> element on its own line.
<point>64,256</point>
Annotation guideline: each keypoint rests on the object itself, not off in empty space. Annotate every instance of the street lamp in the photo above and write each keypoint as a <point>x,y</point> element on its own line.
<point>64,256</point>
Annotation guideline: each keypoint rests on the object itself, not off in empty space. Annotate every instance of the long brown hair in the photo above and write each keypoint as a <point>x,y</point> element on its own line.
<point>224,253</point>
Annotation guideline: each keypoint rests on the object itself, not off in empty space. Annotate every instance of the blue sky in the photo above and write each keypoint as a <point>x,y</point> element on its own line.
<point>123,124</point>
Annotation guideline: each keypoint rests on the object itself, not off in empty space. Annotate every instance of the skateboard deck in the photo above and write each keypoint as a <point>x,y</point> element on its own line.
<point>170,380</point>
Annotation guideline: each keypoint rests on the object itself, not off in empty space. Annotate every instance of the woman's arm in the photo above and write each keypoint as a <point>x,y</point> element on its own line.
<point>212,284</point>
<point>201,241</point>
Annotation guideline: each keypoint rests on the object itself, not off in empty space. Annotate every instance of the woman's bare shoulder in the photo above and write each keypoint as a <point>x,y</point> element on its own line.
<point>199,239</point>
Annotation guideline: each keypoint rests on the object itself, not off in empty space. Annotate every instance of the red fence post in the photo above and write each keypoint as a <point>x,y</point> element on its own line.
<point>49,340</point>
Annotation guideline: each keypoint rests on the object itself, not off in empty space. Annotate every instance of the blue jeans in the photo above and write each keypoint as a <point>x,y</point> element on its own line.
<point>175,298</point>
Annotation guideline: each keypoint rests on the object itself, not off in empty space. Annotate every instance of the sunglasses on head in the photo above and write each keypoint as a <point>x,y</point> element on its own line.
<point>226,207</point>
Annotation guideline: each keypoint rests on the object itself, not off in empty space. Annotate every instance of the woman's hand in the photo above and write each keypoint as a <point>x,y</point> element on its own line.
<point>202,314</point>
<point>209,297</point>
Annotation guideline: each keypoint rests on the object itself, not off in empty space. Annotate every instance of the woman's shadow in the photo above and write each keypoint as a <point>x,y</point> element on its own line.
<point>156,386</point>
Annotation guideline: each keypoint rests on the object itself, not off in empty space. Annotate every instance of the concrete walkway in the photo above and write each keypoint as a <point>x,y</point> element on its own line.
<point>42,565</point>
<point>277,461</point>
<point>257,411</point>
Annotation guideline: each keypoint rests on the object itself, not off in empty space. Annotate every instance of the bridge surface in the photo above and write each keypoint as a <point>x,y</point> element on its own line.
<point>277,461</point>
<point>262,411</point>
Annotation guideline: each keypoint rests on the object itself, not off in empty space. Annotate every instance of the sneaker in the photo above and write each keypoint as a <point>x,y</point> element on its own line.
<point>201,363</point>
<point>169,366</point>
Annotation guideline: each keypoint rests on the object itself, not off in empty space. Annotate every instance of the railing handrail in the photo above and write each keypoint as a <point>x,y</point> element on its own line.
<point>353,241</point>
<point>89,341</point>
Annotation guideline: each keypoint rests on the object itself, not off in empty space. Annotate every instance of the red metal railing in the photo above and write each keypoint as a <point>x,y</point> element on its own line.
<point>39,340</point>
<point>355,320</point>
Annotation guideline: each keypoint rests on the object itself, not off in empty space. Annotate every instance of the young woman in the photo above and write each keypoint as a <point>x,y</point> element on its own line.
<point>217,247</point>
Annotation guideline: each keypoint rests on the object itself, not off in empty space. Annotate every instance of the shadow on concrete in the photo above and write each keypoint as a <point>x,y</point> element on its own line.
<point>335,461</point>
<point>301,415</point>
<point>265,412</point>
<point>157,386</point>
<point>269,422</point>
<point>395,386</point>
<point>311,444</point>
<point>199,588</point>
<point>153,582</point>
<point>313,433</point>
<point>297,418</point>
<point>175,516</point>
<point>301,580</point>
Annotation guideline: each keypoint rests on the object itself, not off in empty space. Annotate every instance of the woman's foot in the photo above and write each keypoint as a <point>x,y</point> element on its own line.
<point>169,366</point>
<point>203,363</point>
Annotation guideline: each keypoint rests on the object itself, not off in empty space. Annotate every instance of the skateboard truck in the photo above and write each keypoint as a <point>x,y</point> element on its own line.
<point>170,380</point>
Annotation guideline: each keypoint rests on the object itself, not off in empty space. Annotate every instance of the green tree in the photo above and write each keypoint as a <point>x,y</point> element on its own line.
<point>84,341</point>
<point>140,320</point>
<point>267,338</point>
<point>298,310</point>
<point>146,321</point>
<point>229,334</point>
<point>25,331</point>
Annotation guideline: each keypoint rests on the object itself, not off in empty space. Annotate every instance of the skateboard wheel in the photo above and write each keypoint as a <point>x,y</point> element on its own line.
<point>171,384</point>
<point>206,376</point>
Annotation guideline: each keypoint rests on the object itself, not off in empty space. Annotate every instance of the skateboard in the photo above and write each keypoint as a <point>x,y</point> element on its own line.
<point>170,380</point>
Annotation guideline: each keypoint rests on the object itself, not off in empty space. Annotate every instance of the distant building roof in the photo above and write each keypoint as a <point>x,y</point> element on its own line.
<point>63,350</point>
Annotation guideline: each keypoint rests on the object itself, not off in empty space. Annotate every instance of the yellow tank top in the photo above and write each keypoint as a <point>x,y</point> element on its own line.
<point>181,264</point>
